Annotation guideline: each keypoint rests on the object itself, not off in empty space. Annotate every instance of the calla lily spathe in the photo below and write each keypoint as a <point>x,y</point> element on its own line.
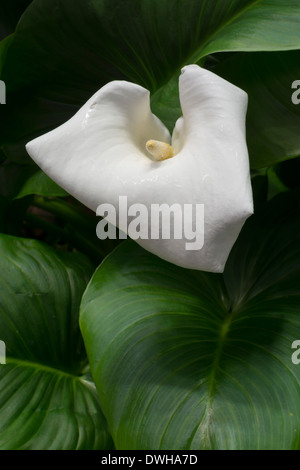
<point>100,154</point>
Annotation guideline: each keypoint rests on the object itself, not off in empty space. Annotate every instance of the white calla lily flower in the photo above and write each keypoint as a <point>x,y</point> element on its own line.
<point>114,146</point>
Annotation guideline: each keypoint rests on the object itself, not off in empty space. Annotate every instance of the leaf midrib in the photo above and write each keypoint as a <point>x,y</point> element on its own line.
<point>43,368</point>
<point>204,425</point>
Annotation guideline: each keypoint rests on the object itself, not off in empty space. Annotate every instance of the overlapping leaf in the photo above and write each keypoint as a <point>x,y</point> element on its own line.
<point>47,399</point>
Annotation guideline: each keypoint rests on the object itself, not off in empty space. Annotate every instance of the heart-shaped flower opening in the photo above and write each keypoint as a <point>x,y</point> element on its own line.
<point>114,146</point>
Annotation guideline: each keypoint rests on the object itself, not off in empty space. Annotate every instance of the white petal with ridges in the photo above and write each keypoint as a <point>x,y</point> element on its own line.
<point>100,154</point>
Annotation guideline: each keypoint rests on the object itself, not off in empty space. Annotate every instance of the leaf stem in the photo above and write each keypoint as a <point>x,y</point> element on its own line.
<point>92,249</point>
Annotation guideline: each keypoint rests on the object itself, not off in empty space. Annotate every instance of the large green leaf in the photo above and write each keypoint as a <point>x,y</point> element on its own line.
<point>47,399</point>
<point>32,112</point>
<point>194,360</point>
<point>64,50</point>
<point>142,40</point>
